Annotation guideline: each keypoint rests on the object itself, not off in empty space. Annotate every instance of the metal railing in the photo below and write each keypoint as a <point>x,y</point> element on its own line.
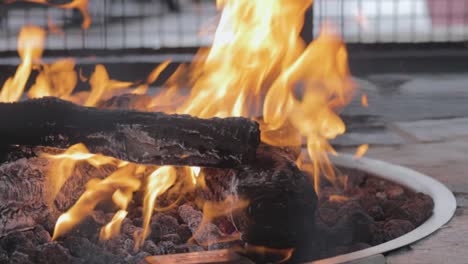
<point>154,24</point>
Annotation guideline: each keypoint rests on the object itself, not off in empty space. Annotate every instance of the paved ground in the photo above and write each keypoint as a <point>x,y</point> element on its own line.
<point>420,121</point>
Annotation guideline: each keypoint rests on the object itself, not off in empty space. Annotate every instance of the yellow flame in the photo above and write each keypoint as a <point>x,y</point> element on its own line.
<point>96,191</point>
<point>62,166</point>
<point>58,79</point>
<point>361,151</point>
<point>158,183</point>
<point>194,173</point>
<point>113,227</point>
<point>152,77</point>
<point>101,84</point>
<point>364,100</point>
<point>30,45</point>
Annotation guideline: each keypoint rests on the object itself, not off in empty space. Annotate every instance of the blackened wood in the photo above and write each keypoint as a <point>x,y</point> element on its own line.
<point>25,190</point>
<point>140,137</point>
<point>282,201</point>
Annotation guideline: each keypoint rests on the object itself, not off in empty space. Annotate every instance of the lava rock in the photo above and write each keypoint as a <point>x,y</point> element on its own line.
<point>174,238</point>
<point>395,192</point>
<point>20,258</point>
<point>163,225</point>
<point>397,227</point>
<point>166,247</point>
<point>88,252</point>
<point>151,248</point>
<point>376,212</point>
<point>52,253</point>
<point>184,232</point>
<point>16,241</point>
<point>3,256</point>
<point>417,209</point>
<point>190,216</point>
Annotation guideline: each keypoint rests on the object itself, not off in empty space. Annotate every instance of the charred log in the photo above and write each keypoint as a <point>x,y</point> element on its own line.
<point>281,198</point>
<point>140,137</point>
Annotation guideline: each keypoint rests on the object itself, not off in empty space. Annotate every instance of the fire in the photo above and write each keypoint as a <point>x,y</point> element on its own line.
<point>57,79</point>
<point>96,192</point>
<point>102,85</point>
<point>158,183</point>
<point>257,53</point>
<point>258,67</point>
<point>361,151</point>
<point>30,45</point>
<point>364,100</point>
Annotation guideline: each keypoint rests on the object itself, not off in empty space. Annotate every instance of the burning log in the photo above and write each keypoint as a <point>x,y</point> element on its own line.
<point>140,137</point>
<point>281,201</point>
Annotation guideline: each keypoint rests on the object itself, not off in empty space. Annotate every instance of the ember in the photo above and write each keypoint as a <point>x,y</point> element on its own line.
<point>115,181</point>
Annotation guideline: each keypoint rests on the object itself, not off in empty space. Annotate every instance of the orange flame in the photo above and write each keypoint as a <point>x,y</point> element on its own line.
<point>361,151</point>
<point>257,52</point>
<point>337,198</point>
<point>97,191</point>
<point>364,100</point>
<point>58,79</point>
<point>158,183</point>
<point>30,45</point>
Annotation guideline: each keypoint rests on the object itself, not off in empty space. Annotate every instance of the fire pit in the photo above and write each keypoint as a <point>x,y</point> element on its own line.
<point>444,203</point>
<point>237,168</point>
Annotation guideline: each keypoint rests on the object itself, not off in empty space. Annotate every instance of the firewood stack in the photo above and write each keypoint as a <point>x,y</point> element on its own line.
<point>281,198</point>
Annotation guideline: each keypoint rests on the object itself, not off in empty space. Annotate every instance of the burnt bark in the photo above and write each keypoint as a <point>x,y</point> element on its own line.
<point>140,137</point>
<point>281,198</point>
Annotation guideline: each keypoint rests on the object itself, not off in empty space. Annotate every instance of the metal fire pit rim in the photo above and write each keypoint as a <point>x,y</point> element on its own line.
<point>444,203</point>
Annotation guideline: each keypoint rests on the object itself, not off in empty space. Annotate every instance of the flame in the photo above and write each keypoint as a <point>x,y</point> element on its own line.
<point>58,79</point>
<point>152,77</point>
<point>113,227</point>
<point>364,100</point>
<point>258,67</point>
<point>338,198</point>
<point>81,5</point>
<point>361,151</point>
<point>258,53</point>
<point>62,166</point>
<point>101,85</point>
<point>97,191</point>
<point>194,173</point>
<point>30,45</point>
<point>159,181</point>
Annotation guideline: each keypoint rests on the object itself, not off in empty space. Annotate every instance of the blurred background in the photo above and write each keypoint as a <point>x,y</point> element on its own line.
<point>131,24</point>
